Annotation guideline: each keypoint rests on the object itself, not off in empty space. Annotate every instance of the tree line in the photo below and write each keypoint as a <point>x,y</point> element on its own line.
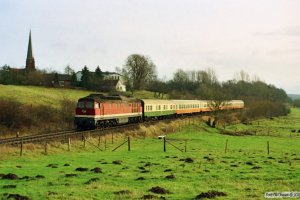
<point>139,72</point>
<point>261,99</point>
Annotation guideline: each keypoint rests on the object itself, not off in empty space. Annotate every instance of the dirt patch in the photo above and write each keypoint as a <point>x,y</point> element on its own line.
<point>208,158</point>
<point>117,162</point>
<point>145,171</point>
<point>140,178</point>
<point>17,197</point>
<point>39,176</point>
<point>9,186</point>
<point>123,192</point>
<point>18,166</point>
<point>50,193</point>
<point>148,164</point>
<point>158,190</point>
<point>168,170</point>
<point>1,175</point>
<point>97,170</point>
<point>210,194</point>
<point>92,180</point>
<point>256,167</point>
<point>149,196</point>
<point>249,163</point>
<point>170,176</point>
<point>66,165</point>
<point>237,133</point>
<point>71,175</point>
<point>27,178</point>
<point>81,169</point>
<point>187,160</point>
<point>53,165</point>
<point>10,176</point>
<point>142,168</point>
<point>271,158</point>
<point>234,165</point>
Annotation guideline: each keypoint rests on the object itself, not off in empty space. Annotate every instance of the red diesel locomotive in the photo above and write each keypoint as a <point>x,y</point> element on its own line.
<point>97,110</point>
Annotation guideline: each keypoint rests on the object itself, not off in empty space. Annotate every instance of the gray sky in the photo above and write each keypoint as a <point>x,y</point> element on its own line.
<point>261,37</point>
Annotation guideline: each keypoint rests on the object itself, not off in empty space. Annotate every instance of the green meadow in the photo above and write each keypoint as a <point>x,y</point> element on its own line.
<point>245,171</point>
<point>51,96</point>
<point>40,95</point>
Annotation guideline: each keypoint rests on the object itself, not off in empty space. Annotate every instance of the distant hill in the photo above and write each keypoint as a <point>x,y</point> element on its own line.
<point>294,96</point>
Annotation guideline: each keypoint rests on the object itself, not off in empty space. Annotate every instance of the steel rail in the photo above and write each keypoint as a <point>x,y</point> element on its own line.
<point>75,133</point>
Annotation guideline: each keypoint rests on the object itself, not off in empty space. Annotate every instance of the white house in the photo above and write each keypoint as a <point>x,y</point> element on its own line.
<point>111,81</point>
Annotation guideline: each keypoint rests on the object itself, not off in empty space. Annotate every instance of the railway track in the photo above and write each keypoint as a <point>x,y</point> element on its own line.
<point>40,138</point>
<point>61,135</point>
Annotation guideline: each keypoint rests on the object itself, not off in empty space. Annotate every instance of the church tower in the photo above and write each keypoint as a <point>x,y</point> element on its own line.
<point>30,64</point>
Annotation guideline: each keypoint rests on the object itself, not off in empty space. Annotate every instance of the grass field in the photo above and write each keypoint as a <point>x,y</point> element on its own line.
<point>50,96</point>
<point>246,171</point>
<point>40,95</point>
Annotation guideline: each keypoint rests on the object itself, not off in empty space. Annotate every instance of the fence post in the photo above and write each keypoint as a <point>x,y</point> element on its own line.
<point>46,147</point>
<point>165,144</point>
<point>226,146</point>
<point>268,147</point>
<point>69,144</point>
<point>21,150</point>
<point>99,140</point>
<point>128,143</point>
<point>17,135</point>
<point>185,143</point>
<point>105,143</point>
<point>84,139</point>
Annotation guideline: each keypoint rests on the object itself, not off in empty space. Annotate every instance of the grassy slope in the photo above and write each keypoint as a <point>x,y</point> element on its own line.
<point>50,96</point>
<point>231,173</point>
<point>40,95</point>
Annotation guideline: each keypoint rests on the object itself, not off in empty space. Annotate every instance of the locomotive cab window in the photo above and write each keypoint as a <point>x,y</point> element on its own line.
<point>80,104</point>
<point>89,104</point>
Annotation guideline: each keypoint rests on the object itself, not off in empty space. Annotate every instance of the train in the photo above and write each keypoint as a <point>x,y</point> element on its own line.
<point>98,110</point>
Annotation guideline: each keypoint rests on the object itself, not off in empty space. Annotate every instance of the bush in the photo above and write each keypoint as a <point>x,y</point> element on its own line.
<point>12,113</point>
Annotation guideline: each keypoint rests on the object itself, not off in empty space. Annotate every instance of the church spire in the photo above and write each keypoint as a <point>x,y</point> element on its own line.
<point>30,64</point>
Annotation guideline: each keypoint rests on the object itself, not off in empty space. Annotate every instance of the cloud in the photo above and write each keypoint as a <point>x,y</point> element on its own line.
<point>287,31</point>
<point>284,51</point>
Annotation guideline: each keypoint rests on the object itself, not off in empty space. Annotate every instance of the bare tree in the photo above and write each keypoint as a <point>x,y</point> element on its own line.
<point>139,71</point>
<point>242,76</point>
<point>69,70</point>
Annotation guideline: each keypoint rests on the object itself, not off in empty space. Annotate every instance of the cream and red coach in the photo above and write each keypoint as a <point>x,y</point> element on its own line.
<point>97,110</point>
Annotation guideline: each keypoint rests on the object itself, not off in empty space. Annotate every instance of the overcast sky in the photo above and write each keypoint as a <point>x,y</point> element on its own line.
<point>261,37</point>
